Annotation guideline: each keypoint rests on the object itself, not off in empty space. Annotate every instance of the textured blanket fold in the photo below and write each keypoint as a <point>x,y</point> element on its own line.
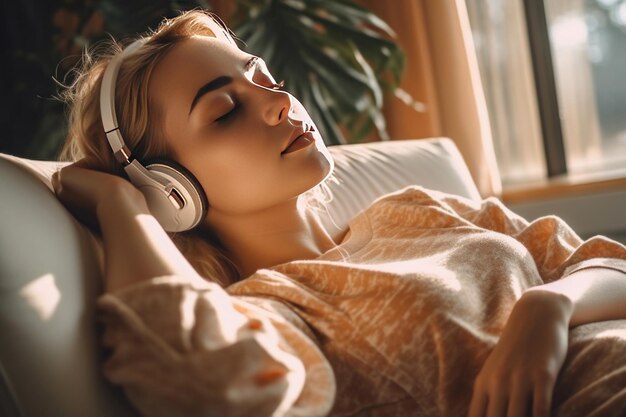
<point>395,321</point>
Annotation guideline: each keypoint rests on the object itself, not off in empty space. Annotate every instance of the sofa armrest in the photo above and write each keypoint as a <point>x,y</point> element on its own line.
<point>50,276</point>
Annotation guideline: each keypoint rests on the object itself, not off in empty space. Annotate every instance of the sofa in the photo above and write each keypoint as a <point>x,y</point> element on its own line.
<point>51,267</point>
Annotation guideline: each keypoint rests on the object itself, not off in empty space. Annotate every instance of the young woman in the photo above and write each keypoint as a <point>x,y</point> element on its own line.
<point>427,305</point>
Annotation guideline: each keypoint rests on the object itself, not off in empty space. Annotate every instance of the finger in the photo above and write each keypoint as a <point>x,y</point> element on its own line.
<point>518,404</point>
<point>542,399</point>
<point>478,404</point>
<point>497,405</point>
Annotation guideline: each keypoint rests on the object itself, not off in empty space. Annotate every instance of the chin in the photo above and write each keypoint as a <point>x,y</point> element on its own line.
<point>326,159</point>
<point>330,167</point>
<point>323,149</point>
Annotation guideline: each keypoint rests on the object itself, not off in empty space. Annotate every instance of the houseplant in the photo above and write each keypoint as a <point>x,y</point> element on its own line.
<point>335,56</point>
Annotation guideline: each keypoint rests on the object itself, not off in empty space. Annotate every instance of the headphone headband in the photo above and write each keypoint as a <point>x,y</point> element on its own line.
<point>107,103</point>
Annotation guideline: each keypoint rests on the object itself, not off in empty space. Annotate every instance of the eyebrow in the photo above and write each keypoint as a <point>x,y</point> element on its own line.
<point>217,83</point>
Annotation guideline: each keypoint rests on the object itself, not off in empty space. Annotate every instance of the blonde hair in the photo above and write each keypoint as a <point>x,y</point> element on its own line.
<point>139,120</point>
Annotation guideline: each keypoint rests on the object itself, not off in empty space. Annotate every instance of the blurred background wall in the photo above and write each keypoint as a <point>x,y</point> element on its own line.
<point>42,41</point>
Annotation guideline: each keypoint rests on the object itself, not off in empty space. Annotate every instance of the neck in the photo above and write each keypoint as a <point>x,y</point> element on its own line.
<point>271,236</point>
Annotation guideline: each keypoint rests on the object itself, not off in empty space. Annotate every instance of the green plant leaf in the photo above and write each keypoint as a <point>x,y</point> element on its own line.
<point>335,56</point>
<point>350,12</point>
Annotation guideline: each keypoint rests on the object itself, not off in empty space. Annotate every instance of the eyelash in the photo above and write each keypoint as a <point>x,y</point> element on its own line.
<point>227,116</point>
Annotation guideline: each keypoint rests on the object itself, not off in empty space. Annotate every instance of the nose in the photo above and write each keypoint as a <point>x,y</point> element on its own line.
<point>278,107</point>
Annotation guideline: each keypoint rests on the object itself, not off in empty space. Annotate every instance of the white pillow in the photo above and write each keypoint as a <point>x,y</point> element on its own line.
<point>368,171</point>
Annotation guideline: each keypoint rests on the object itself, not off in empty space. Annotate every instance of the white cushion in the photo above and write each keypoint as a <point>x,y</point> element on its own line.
<point>368,171</point>
<point>50,271</point>
<point>49,279</point>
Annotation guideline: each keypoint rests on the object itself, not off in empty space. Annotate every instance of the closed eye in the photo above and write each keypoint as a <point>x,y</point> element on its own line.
<point>257,66</point>
<point>228,115</point>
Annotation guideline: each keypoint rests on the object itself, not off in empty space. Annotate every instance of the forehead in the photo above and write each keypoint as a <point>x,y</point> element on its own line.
<point>190,64</point>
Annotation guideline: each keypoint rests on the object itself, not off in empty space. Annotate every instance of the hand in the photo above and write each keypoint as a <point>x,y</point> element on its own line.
<point>519,375</point>
<point>83,190</point>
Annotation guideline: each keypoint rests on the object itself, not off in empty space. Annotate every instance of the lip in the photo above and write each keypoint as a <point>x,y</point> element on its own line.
<point>299,131</point>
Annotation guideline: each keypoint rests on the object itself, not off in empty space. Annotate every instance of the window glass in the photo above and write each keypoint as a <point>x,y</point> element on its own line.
<point>501,42</point>
<point>588,41</point>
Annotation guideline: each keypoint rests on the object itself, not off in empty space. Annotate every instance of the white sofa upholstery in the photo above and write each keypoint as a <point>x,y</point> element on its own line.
<point>50,268</point>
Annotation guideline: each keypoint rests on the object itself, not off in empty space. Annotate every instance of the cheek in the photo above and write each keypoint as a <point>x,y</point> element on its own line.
<point>240,191</point>
<point>241,187</point>
<point>245,172</point>
<point>236,173</point>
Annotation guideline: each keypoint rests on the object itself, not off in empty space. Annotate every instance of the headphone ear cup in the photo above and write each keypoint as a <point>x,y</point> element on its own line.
<point>187,204</point>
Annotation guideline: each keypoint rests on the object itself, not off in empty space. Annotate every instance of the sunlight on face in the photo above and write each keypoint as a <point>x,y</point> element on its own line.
<point>227,121</point>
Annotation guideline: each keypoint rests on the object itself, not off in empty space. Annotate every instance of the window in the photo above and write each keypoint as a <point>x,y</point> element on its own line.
<point>553,74</point>
<point>588,39</point>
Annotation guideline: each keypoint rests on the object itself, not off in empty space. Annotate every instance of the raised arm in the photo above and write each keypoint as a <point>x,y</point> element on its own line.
<point>182,345</point>
<point>136,247</point>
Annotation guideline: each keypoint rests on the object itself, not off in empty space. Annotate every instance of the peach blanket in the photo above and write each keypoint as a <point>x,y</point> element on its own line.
<point>395,321</point>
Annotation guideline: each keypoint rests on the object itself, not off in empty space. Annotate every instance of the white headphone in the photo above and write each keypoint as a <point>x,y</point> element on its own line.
<point>174,196</point>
